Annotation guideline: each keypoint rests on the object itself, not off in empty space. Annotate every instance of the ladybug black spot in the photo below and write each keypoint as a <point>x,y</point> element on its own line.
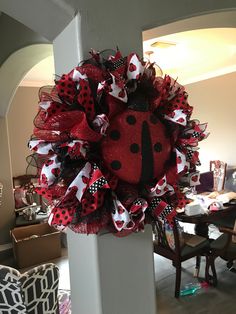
<point>158,147</point>
<point>153,119</point>
<point>115,164</point>
<point>131,119</point>
<point>57,215</point>
<point>134,148</point>
<point>115,135</point>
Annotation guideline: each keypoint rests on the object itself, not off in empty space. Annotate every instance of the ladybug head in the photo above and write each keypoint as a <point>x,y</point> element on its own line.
<point>139,99</point>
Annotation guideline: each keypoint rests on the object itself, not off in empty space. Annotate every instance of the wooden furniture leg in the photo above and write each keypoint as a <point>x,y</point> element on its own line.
<point>177,280</point>
<point>201,229</point>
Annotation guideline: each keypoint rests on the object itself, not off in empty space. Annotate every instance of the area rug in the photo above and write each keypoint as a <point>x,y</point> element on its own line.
<point>64,300</point>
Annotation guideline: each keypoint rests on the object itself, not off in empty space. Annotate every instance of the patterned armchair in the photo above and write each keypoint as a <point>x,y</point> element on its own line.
<point>33,292</point>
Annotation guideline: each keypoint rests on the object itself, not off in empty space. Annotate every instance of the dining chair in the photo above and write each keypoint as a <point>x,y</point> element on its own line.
<point>33,292</point>
<point>173,247</point>
<point>219,171</point>
<point>224,246</point>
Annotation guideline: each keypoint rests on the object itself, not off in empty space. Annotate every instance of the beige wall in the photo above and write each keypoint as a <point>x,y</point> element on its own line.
<point>214,102</point>
<point>20,123</point>
<point>15,131</point>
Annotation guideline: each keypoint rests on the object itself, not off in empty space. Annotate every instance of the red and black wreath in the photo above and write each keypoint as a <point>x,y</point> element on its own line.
<point>114,141</point>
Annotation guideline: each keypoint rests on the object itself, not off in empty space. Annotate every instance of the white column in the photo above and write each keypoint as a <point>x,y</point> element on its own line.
<point>108,275</point>
<point>111,275</point>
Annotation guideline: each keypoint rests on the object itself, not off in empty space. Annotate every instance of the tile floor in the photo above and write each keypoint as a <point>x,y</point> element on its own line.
<point>207,301</point>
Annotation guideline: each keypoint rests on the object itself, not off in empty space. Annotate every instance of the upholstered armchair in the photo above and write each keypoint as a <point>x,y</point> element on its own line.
<point>33,292</point>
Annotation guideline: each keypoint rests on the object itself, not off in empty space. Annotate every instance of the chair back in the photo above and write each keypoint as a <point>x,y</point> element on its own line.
<point>219,171</point>
<point>167,239</point>
<point>228,242</point>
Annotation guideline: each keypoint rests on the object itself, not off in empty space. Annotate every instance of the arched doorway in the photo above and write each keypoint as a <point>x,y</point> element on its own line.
<point>11,73</point>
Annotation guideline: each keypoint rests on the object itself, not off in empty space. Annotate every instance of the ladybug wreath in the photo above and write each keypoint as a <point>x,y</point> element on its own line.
<point>113,142</point>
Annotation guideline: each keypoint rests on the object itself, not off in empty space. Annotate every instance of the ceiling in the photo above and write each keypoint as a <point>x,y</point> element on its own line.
<point>196,55</point>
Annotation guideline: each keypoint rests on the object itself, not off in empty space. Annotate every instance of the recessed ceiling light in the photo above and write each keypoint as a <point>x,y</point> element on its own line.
<point>149,52</point>
<point>162,44</point>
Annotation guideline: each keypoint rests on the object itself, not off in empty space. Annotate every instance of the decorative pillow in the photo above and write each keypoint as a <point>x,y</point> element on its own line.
<point>64,300</point>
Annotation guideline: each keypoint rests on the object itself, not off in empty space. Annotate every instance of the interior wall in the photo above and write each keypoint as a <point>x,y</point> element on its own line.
<point>25,106</point>
<point>7,205</point>
<point>214,102</point>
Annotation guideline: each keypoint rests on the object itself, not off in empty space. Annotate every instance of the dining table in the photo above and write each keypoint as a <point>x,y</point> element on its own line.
<point>223,217</point>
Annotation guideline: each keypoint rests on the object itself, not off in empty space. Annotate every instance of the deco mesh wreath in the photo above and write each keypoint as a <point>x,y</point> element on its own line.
<point>114,142</point>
